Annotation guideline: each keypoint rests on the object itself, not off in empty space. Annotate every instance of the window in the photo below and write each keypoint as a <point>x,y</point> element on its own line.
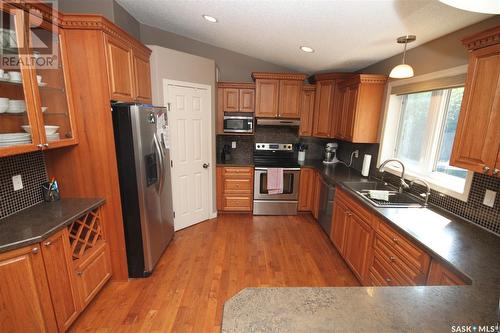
<point>419,129</point>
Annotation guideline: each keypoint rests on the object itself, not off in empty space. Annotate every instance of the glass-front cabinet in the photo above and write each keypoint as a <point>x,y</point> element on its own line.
<point>35,105</point>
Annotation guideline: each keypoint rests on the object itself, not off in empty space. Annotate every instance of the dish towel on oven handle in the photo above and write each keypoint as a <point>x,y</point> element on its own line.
<point>275,180</point>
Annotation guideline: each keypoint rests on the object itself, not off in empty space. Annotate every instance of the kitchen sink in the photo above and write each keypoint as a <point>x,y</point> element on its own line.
<point>396,199</point>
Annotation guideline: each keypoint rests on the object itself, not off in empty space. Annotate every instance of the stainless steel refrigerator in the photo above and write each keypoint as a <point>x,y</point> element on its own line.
<point>143,158</point>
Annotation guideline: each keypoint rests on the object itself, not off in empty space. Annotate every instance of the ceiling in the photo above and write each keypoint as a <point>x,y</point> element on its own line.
<point>347,35</point>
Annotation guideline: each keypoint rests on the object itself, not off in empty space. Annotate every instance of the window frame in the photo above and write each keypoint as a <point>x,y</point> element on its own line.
<point>390,133</point>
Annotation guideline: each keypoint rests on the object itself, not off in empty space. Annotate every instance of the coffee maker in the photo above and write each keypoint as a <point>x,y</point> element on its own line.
<point>330,153</point>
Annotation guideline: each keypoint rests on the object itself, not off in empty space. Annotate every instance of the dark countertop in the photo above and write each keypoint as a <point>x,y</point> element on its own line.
<point>236,161</point>
<point>36,223</point>
<point>469,250</point>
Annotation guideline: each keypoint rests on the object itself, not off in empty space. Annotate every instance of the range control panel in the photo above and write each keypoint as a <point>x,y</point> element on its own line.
<point>274,146</point>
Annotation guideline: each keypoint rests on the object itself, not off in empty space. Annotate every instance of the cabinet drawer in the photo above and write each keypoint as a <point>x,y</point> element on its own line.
<point>238,172</point>
<point>237,185</point>
<point>379,275</point>
<point>238,203</point>
<point>93,273</point>
<point>406,249</point>
<point>355,206</point>
<point>404,273</point>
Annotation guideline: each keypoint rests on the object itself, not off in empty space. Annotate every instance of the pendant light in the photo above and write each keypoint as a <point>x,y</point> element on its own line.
<point>403,70</point>
<point>478,6</point>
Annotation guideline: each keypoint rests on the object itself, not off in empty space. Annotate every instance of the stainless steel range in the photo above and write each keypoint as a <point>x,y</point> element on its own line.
<point>275,155</point>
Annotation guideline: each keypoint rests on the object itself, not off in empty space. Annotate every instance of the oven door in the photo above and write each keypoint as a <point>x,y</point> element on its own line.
<point>290,185</point>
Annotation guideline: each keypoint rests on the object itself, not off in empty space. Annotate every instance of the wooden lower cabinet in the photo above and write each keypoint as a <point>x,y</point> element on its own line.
<point>358,244</point>
<point>439,275</point>
<point>25,301</point>
<point>234,189</point>
<point>317,192</point>
<point>43,287</point>
<point>306,189</point>
<point>56,253</point>
<point>339,225</point>
<point>378,254</point>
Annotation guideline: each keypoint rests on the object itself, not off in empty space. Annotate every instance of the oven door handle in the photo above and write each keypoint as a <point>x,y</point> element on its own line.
<point>284,169</point>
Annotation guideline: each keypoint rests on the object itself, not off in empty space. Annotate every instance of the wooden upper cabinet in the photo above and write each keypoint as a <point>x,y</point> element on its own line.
<point>120,69</point>
<point>290,96</point>
<point>129,71</point>
<point>61,277</point>
<point>142,71</point>
<point>246,100</point>
<point>266,98</point>
<point>477,139</point>
<point>24,293</point>
<point>323,108</point>
<point>306,111</point>
<point>361,107</point>
<point>230,102</point>
<point>278,95</point>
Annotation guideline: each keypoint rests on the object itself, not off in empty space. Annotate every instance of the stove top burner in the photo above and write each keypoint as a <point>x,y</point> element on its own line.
<point>278,155</point>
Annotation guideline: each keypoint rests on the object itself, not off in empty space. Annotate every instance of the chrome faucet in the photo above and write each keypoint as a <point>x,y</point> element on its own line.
<point>428,190</point>
<point>402,179</point>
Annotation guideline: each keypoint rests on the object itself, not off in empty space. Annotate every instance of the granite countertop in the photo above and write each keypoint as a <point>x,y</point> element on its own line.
<point>236,161</point>
<point>36,223</point>
<point>471,251</point>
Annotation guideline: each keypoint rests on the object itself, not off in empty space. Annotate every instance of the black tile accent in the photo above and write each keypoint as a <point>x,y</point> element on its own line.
<point>472,210</point>
<point>31,167</point>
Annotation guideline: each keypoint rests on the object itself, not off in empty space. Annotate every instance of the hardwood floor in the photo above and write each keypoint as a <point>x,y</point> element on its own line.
<point>208,263</point>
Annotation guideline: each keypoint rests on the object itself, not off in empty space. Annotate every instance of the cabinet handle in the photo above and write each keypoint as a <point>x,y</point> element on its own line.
<point>388,280</point>
<point>39,146</point>
<point>486,169</point>
<point>47,243</point>
<point>392,258</point>
<point>496,171</point>
<point>395,240</point>
<point>79,273</point>
<point>35,250</point>
<point>45,144</point>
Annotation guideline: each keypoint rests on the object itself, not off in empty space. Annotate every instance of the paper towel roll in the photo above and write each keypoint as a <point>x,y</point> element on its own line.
<point>366,165</point>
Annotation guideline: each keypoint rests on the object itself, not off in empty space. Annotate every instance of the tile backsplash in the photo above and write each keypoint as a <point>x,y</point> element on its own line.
<point>472,210</point>
<point>31,167</point>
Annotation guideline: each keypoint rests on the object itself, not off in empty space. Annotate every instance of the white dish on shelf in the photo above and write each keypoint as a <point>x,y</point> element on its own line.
<point>42,84</point>
<point>53,137</point>
<point>8,144</point>
<point>3,108</point>
<point>16,110</point>
<point>14,135</point>
<point>49,129</point>
<point>44,108</point>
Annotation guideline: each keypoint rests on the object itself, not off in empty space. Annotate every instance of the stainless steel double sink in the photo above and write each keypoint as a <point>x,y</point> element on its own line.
<point>396,199</point>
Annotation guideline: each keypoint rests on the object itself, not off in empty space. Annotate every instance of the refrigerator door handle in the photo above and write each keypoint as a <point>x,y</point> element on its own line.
<point>160,159</point>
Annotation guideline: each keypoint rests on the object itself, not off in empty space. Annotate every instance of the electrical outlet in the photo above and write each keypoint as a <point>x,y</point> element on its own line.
<point>356,153</point>
<point>233,144</point>
<point>489,198</point>
<point>17,182</point>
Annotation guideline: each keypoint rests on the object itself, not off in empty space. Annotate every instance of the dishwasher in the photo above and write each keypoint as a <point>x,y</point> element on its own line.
<point>327,194</point>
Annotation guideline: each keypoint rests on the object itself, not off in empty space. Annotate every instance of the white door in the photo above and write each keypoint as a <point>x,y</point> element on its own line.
<point>190,128</point>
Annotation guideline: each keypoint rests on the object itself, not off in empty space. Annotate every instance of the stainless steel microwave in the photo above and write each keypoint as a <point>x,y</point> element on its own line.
<point>238,124</point>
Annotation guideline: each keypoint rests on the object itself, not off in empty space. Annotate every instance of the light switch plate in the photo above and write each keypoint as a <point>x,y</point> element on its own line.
<point>17,182</point>
<point>489,198</point>
<point>233,144</point>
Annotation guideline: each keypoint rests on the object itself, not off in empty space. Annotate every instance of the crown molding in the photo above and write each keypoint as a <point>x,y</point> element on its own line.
<point>482,39</point>
<point>279,76</point>
<point>236,85</point>
<point>329,76</point>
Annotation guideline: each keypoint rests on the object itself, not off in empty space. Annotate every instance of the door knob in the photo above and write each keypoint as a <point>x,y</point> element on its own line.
<point>486,169</point>
<point>206,165</point>
<point>496,171</point>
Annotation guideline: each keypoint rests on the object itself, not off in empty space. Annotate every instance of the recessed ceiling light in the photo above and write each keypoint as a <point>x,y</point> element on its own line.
<point>209,18</point>
<point>307,49</point>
